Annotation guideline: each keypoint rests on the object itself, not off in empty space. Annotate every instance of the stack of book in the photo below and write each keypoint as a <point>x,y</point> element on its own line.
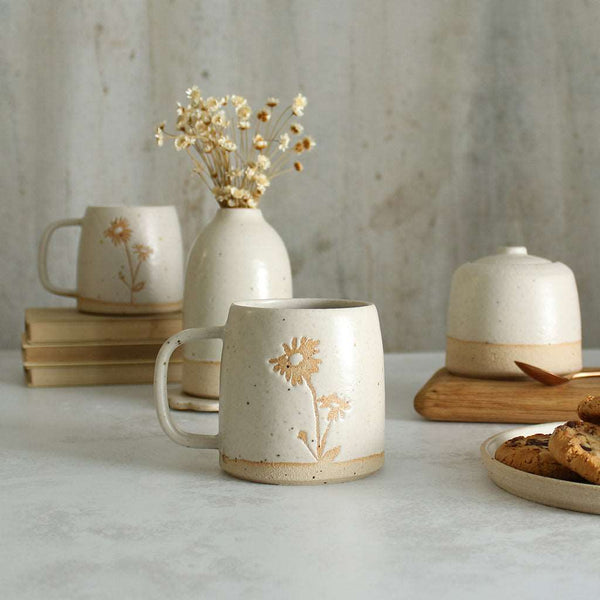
<point>62,347</point>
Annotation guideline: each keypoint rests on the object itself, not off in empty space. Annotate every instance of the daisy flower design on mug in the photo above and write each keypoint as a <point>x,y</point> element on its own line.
<point>119,233</point>
<point>297,365</point>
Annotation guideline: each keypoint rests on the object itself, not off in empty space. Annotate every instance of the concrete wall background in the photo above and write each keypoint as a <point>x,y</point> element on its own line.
<point>444,128</point>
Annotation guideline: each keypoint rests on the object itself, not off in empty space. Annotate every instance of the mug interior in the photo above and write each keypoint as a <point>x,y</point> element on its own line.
<point>303,304</point>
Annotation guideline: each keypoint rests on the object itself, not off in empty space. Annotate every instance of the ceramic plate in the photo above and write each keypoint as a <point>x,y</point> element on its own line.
<point>581,497</point>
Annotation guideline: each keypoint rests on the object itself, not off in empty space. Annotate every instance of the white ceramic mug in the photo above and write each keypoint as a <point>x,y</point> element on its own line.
<point>302,391</point>
<point>130,260</point>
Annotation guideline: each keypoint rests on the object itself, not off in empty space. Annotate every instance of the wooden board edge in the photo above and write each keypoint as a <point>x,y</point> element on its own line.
<point>429,407</point>
<point>421,400</point>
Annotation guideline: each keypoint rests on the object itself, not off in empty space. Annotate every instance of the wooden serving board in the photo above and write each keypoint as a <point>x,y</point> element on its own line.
<point>447,397</point>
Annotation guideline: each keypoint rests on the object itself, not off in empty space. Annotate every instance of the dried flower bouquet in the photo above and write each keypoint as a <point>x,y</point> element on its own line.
<point>236,160</point>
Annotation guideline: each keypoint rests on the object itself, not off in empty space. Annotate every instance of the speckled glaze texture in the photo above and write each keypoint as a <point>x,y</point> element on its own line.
<point>237,256</point>
<point>302,391</point>
<point>130,260</point>
<point>513,306</point>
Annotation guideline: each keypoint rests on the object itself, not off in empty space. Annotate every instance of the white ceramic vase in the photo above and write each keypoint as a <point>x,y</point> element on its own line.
<point>238,256</point>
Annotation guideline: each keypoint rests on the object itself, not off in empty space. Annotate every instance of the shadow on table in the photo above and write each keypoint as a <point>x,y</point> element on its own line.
<point>150,455</point>
<point>75,427</point>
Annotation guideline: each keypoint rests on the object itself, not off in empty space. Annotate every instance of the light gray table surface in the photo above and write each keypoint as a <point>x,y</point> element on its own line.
<point>97,502</point>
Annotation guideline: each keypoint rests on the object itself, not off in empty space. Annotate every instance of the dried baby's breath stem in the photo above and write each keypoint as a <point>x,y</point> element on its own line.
<point>282,172</point>
<point>243,144</point>
<point>272,132</point>
<point>201,155</point>
<point>276,135</point>
<point>198,170</point>
<point>281,160</point>
<point>204,158</point>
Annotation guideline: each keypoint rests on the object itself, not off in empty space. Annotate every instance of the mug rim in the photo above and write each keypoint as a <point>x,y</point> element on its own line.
<point>298,304</point>
<point>122,206</point>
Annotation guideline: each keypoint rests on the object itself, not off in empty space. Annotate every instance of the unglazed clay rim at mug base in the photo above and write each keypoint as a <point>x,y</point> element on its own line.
<point>106,307</point>
<point>294,473</point>
<point>570,495</point>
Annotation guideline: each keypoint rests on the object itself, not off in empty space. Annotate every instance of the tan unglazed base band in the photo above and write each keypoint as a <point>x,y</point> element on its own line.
<point>287,473</point>
<point>201,378</point>
<point>496,361</point>
<point>122,308</point>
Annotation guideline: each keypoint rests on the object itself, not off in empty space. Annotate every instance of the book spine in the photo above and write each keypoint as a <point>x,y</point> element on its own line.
<point>91,353</point>
<point>115,374</point>
<point>111,331</point>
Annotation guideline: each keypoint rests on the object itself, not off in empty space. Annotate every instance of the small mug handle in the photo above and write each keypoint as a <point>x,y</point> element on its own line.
<point>191,440</point>
<point>43,256</point>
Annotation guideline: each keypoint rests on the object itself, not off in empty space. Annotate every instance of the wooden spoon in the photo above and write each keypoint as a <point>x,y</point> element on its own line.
<point>548,378</point>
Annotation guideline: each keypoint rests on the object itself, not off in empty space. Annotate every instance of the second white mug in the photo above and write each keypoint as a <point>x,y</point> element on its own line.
<point>130,260</point>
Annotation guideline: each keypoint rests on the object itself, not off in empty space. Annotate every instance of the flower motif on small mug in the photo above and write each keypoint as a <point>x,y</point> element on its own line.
<point>119,233</point>
<point>298,364</point>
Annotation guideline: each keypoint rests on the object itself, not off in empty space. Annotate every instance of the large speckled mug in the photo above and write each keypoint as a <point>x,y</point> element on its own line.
<point>302,391</point>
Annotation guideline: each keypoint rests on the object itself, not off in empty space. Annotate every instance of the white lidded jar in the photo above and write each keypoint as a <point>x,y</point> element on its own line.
<point>238,256</point>
<point>513,306</point>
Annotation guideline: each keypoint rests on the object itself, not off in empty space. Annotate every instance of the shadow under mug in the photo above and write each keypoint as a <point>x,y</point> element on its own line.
<point>302,391</point>
<point>130,260</point>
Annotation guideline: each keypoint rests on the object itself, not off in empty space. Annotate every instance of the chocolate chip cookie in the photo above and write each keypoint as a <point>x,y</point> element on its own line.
<point>576,445</point>
<point>531,454</point>
<point>589,410</point>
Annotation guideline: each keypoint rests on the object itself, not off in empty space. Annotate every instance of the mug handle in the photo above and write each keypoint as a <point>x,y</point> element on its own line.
<point>191,440</point>
<point>43,256</point>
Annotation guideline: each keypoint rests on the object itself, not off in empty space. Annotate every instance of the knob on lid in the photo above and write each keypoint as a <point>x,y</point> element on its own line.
<point>511,250</point>
<point>512,255</point>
